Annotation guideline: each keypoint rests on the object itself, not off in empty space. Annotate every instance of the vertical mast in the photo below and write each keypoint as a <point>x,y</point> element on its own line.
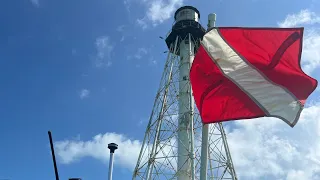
<point>205,155</point>
<point>205,128</point>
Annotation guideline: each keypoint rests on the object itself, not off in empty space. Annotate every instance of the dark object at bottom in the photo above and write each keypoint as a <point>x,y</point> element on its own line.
<point>74,178</point>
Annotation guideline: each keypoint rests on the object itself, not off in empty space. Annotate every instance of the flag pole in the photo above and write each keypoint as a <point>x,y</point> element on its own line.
<point>112,147</point>
<point>205,127</point>
<point>53,156</point>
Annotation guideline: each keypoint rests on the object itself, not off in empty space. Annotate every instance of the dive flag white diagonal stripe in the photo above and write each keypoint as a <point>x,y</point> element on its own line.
<point>271,98</point>
<point>244,73</point>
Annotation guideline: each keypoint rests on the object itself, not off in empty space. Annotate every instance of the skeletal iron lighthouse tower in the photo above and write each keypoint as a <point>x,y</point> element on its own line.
<point>176,144</point>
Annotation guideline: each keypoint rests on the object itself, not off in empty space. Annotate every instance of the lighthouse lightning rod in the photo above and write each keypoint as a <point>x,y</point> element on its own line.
<point>53,156</point>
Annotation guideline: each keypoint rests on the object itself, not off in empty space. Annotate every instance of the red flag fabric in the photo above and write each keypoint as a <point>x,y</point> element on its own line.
<point>244,73</point>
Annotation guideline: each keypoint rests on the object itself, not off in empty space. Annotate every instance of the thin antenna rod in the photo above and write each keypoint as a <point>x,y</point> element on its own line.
<point>53,156</point>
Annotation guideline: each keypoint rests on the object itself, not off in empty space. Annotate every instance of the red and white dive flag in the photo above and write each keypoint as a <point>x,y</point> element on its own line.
<point>244,73</point>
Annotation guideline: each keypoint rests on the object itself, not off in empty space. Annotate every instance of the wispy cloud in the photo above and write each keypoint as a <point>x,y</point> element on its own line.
<point>121,28</point>
<point>35,3</point>
<point>143,54</point>
<point>122,39</point>
<point>104,50</point>
<point>84,93</point>
<point>127,4</point>
<point>311,41</point>
<point>158,11</point>
<point>140,53</point>
<point>304,17</point>
<point>142,23</point>
<point>142,122</point>
<point>152,61</point>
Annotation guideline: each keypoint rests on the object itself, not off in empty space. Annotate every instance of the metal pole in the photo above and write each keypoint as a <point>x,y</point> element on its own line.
<point>204,152</point>
<point>112,147</point>
<point>205,128</point>
<point>211,20</point>
<point>110,166</point>
<point>191,103</point>
<point>53,156</point>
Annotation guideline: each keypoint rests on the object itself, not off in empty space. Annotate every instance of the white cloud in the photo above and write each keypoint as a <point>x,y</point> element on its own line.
<point>35,3</point>
<point>159,11</point>
<point>264,147</point>
<point>269,147</point>
<point>311,53</point>
<point>311,42</point>
<point>104,50</point>
<point>294,175</point>
<point>84,93</point>
<point>69,151</point>
<point>304,17</point>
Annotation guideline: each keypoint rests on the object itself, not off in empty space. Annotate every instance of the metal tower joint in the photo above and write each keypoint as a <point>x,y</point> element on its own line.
<point>191,155</point>
<point>186,22</point>
<point>186,123</point>
<point>151,160</point>
<point>185,78</point>
<point>183,172</point>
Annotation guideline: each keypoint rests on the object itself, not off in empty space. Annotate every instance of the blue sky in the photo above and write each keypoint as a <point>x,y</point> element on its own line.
<point>84,68</point>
